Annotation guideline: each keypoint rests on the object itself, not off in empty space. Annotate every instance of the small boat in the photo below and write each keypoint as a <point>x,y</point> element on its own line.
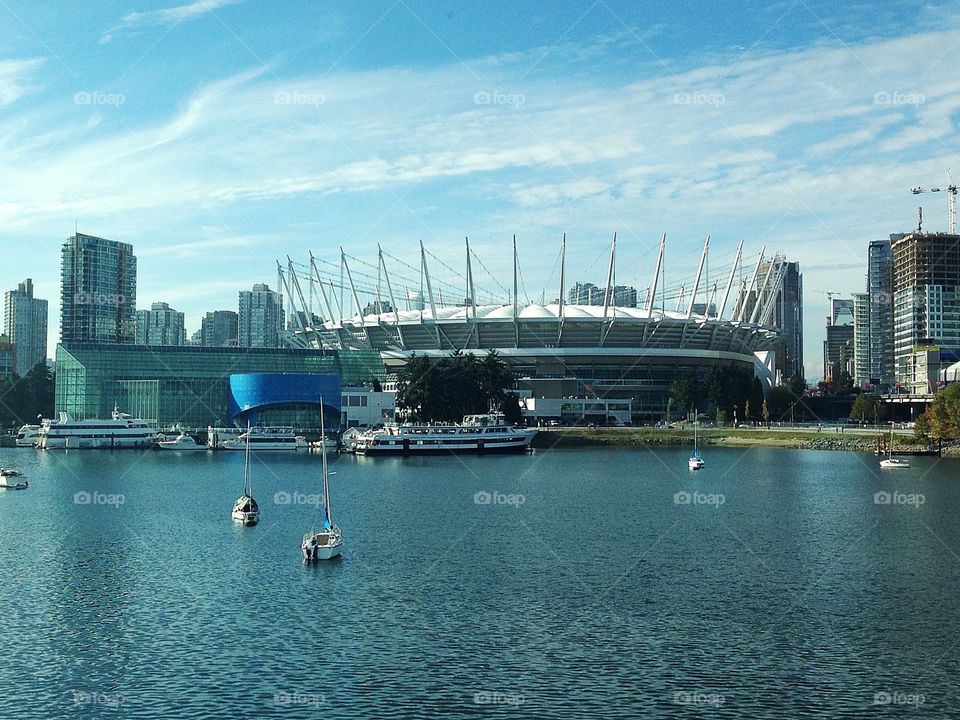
<point>245,509</point>
<point>890,461</point>
<point>324,544</point>
<point>695,462</point>
<point>7,482</point>
<point>181,442</point>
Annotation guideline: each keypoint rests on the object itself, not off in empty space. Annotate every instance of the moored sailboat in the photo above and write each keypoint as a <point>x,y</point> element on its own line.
<point>890,461</point>
<point>245,509</point>
<point>695,462</point>
<point>326,543</point>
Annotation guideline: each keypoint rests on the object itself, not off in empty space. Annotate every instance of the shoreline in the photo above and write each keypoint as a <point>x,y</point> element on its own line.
<point>578,437</point>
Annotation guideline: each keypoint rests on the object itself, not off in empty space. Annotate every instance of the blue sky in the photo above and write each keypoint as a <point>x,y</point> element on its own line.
<point>219,136</point>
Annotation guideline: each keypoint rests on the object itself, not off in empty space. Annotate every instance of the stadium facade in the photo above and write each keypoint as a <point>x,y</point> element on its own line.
<point>559,349</point>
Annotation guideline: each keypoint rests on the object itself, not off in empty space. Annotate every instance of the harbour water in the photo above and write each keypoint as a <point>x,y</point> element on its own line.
<point>572,584</point>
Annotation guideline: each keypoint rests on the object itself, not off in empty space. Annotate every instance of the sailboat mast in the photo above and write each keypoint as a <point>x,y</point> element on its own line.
<point>247,488</point>
<point>323,456</point>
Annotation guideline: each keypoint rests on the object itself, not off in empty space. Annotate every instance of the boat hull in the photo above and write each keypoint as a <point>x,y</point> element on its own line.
<point>413,447</point>
<point>893,464</point>
<point>245,518</point>
<point>328,552</point>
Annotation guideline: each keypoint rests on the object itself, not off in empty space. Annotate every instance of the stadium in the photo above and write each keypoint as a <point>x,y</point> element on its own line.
<point>602,345</point>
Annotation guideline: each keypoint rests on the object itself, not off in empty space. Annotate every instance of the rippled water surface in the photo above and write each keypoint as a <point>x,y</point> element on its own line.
<point>574,584</point>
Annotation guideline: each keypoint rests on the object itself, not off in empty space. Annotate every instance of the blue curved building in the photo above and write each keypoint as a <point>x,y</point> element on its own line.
<point>284,399</point>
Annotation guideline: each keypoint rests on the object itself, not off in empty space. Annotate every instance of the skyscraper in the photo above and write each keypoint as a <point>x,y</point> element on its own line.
<point>880,292</point>
<point>160,325</point>
<point>861,339</point>
<point>926,295</point>
<point>787,313</point>
<point>219,328</point>
<point>25,324</point>
<point>260,317</point>
<point>98,291</point>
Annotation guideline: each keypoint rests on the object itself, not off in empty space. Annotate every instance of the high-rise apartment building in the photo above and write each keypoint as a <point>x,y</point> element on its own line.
<point>98,291</point>
<point>584,294</point>
<point>160,325</point>
<point>880,292</point>
<point>260,318</point>
<point>861,339</point>
<point>219,329</point>
<point>926,295</point>
<point>25,324</point>
<point>786,312</point>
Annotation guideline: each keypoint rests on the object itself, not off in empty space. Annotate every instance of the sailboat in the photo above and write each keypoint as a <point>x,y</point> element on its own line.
<point>890,461</point>
<point>245,509</point>
<point>695,462</point>
<point>326,543</point>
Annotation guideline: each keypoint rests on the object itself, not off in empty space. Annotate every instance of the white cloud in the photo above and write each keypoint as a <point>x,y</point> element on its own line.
<point>166,16</point>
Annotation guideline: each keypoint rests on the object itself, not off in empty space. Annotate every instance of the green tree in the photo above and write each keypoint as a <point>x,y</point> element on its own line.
<point>865,408</point>
<point>765,412</point>
<point>941,421</point>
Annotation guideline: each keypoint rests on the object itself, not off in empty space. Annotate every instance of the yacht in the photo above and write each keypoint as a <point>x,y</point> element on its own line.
<point>266,438</point>
<point>9,480</point>
<point>695,462</point>
<point>245,510</point>
<point>120,431</point>
<point>326,543</point>
<point>476,434</point>
<point>28,436</point>
<point>181,442</point>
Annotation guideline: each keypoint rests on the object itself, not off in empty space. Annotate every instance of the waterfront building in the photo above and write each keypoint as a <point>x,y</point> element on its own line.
<point>861,339</point>
<point>880,291</point>
<point>219,329</point>
<point>362,407</point>
<point>926,297</point>
<point>98,291</point>
<point>260,318</point>
<point>25,324</point>
<point>160,325</point>
<point>187,385</point>
<point>838,348</point>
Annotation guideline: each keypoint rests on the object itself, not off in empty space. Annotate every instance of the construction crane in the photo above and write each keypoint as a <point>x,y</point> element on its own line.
<point>829,294</point>
<point>951,191</point>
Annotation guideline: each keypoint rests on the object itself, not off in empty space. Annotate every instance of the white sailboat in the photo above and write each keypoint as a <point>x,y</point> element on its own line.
<point>245,509</point>
<point>890,461</point>
<point>326,543</point>
<point>695,462</point>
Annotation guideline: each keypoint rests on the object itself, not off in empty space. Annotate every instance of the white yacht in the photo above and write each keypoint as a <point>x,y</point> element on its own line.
<point>326,543</point>
<point>120,431</point>
<point>9,480</point>
<point>266,438</point>
<point>476,434</point>
<point>183,442</point>
<point>28,435</point>
<point>695,462</point>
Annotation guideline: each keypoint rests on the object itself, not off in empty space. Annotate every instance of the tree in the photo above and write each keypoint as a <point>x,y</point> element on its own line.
<point>941,421</point>
<point>746,410</point>
<point>377,387</point>
<point>765,411</point>
<point>26,398</point>
<point>865,408</point>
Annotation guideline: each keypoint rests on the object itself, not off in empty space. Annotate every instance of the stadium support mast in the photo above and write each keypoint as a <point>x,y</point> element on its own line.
<point>656,274</point>
<point>679,299</point>
<point>393,300</point>
<point>433,305</point>
<point>323,293</point>
<point>696,283</point>
<point>563,258</point>
<point>755,315</point>
<point>471,292</point>
<point>608,295</point>
<point>733,272</point>
<point>749,288</point>
<point>353,290</point>
<point>516,321</point>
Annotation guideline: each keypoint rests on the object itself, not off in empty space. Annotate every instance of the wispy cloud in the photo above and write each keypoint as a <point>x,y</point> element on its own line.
<point>15,80</point>
<point>166,16</point>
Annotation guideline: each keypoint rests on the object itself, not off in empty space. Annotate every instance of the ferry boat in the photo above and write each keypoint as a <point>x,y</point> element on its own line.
<point>267,438</point>
<point>28,435</point>
<point>120,431</point>
<point>476,434</point>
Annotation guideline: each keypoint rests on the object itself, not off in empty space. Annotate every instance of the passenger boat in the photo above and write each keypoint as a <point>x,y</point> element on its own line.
<point>476,434</point>
<point>267,438</point>
<point>28,435</point>
<point>120,431</point>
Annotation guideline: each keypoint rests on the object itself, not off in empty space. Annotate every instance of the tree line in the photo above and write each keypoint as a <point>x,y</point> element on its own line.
<point>23,399</point>
<point>448,388</point>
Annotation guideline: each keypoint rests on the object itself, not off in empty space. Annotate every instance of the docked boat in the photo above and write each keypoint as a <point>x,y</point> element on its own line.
<point>695,462</point>
<point>245,509</point>
<point>28,435</point>
<point>476,434</point>
<point>890,461</point>
<point>120,431</point>
<point>326,543</point>
<point>266,438</point>
<point>181,442</point>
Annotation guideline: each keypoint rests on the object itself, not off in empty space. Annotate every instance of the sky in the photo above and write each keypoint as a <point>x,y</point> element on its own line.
<point>219,136</point>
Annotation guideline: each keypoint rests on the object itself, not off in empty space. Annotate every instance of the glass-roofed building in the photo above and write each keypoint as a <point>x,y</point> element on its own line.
<point>190,386</point>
